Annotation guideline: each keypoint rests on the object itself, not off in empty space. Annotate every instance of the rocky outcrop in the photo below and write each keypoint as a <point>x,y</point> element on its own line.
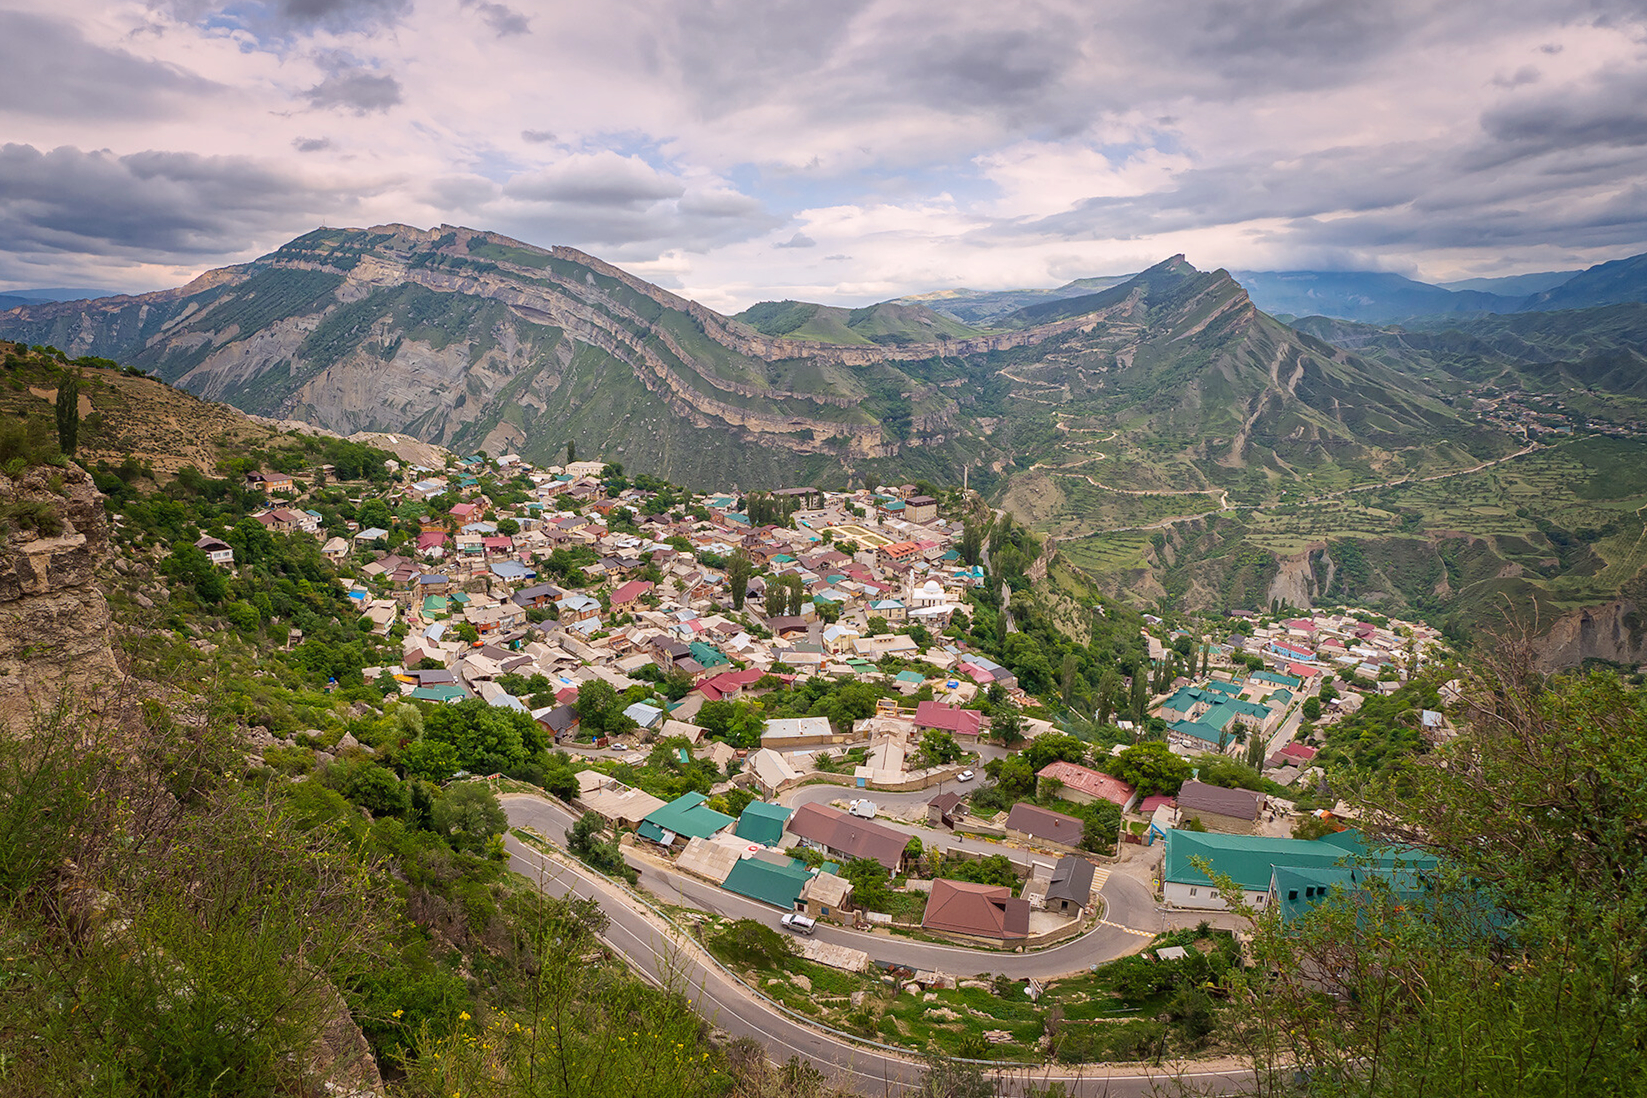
<point>54,620</point>
<point>1615,631</point>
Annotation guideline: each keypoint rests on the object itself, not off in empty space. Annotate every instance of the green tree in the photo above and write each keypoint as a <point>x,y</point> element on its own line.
<point>1312,709</point>
<point>487,738</point>
<point>469,816</point>
<point>1006,725</point>
<point>430,760</point>
<point>1151,769</point>
<point>1524,943</point>
<point>571,451</point>
<point>588,842</point>
<point>738,570</point>
<point>68,414</point>
<point>937,749</point>
<point>871,888</point>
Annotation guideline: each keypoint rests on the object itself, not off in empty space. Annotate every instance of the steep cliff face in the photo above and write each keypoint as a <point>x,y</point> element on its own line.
<point>54,620</point>
<point>1615,631</point>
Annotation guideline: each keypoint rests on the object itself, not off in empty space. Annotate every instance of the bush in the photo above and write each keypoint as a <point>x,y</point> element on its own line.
<point>752,944</point>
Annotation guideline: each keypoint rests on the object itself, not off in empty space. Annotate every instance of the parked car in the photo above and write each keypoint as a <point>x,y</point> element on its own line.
<point>800,924</point>
<point>618,746</point>
<point>965,776</point>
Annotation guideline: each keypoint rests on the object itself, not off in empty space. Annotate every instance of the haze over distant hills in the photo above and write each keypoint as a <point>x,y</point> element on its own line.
<point>1372,297</point>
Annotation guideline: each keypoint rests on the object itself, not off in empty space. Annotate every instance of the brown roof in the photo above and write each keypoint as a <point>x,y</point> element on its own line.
<point>847,835</point>
<point>987,911</point>
<point>1241,804</point>
<point>1054,827</point>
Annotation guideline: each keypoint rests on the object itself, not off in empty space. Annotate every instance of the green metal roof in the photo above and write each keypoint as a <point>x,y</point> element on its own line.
<point>1279,680</point>
<point>778,885</point>
<point>707,654</point>
<point>1222,687</point>
<point>685,815</point>
<point>439,693</point>
<point>1250,859</point>
<point>763,823</point>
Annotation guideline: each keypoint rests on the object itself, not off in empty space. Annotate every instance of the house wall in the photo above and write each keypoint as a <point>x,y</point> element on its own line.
<point>1224,825</point>
<point>1204,897</point>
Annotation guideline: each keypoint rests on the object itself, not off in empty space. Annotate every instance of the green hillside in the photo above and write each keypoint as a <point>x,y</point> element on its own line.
<point>887,323</point>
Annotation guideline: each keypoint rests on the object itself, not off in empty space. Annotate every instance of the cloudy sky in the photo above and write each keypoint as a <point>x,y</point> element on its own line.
<point>848,151</point>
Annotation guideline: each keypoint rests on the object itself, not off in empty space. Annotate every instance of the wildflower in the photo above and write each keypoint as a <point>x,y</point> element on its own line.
<point>464,1017</point>
<point>397,1014</point>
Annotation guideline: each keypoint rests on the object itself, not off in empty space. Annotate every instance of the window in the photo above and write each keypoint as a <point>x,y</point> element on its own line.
<point>1292,894</point>
<point>1192,892</point>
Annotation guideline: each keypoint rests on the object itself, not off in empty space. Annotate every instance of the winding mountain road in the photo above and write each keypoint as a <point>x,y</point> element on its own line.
<point>664,956</point>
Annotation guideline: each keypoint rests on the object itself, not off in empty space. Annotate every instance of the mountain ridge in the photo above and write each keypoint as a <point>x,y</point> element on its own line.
<point>474,340</point>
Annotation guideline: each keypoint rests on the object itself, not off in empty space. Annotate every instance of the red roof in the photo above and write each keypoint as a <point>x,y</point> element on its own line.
<point>498,541</point>
<point>1301,670</point>
<point>464,510</point>
<point>630,591</point>
<point>948,718</point>
<point>728,683</point>
<point>1149,804</point>
<point>1301,623</point>
<point>430,539</point>
<point>1294,649</point>
<point>1298,751</point>
<point>1091,782</point>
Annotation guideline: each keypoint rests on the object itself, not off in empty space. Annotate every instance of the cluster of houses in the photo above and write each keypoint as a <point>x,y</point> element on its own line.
<point>865,575</point>
<point>752,855</point>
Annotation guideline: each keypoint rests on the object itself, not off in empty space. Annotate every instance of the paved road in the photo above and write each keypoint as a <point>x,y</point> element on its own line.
<point>647,944</point>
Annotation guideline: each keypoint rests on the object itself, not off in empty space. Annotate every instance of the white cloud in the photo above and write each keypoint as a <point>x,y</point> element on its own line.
<point>1007,143</point>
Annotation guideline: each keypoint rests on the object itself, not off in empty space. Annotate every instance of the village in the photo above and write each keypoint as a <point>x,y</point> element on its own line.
<point>634,622</point>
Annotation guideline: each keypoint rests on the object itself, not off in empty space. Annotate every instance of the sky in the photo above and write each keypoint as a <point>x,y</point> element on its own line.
<point>847,152</point>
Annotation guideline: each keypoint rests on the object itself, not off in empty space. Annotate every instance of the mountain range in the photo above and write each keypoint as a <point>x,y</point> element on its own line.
<point>477,341</point>
<point>1371,297</point>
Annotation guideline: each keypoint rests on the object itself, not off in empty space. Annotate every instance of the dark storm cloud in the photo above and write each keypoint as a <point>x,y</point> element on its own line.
<point>1607,112</point>
<point>352,87</point>
<point>157,204</point>
<point>284,15</point>
<point>52,71</point>
<point>503,19</point>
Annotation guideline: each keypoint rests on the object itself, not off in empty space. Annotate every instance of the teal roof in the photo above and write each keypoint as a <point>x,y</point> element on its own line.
<point>1222,687</point>
<point>1279,680</point>
<point>434,604</point>
<point>911,677</point>
<point>707,654</point>
<point>439,693</point>
<point>685,815</point>
<point>763,823</point>
<point>778,885</point>
<point>1251,859</point>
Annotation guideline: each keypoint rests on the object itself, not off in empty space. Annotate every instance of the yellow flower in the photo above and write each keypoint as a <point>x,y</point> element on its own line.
<point>464,1017</point>
<point>397,1014</point>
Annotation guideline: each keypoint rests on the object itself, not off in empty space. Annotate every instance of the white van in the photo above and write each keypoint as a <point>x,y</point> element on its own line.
<point>800,924</point>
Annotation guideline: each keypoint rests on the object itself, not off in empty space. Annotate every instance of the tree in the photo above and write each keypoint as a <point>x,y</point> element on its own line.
<point>1109,694</point>
<point>777,598</point>
<point>1006,724</point>
<point>869,879</point>
<point>1151,769</point>
<point>937,749</point>
<point>596,700</point>
<point>797,593</point>
<point>487,738</point>
<point>469,816</point>
<point>972,542</point>
<point>587,841</point>
<point>571,451</point>
<point>1066,677</point>
<point>68,414</point>
<point>1312,709</point>
<point>430,760</point>
<point>1525,940</point>
<point>738,570</point>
